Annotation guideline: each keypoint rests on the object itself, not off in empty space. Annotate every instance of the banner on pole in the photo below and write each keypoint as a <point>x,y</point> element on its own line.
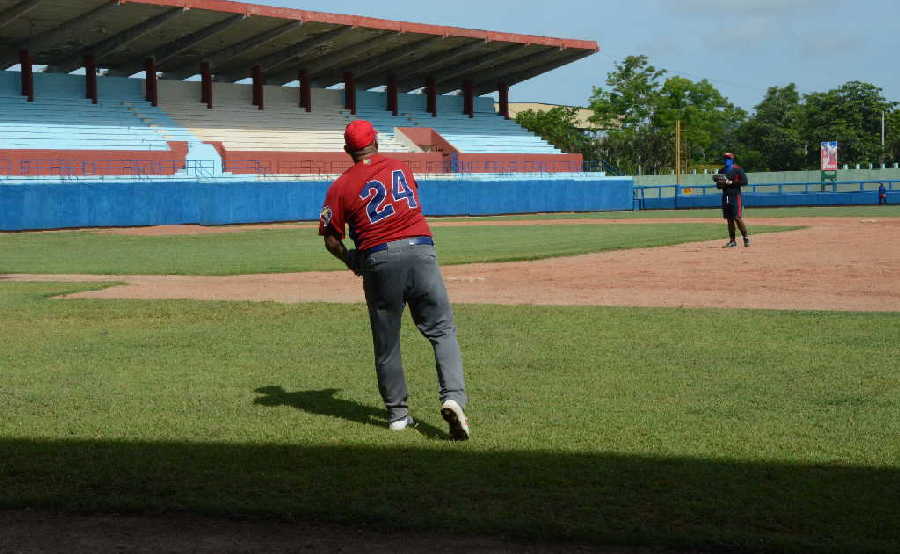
<point>829,156</point>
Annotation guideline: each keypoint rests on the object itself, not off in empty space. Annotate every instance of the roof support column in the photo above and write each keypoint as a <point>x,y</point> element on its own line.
<point>27,74</point>
<point>305,91</point>
<point>469,98</point>
<point>258,99</point>
<point>349,93</point>
<point>504,99</point>
<point>393,97</point>
<point>151,85</point>
<point>206,87</point>
<point>431,91</point>
<point>90,78</point>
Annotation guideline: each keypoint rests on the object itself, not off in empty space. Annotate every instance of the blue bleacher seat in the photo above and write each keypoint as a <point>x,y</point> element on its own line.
<point>61,118</point>
<point>486,133</point>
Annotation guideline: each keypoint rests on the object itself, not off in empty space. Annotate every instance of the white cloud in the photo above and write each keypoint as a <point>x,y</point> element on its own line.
<point>824,48</point>
<point>759,8</point>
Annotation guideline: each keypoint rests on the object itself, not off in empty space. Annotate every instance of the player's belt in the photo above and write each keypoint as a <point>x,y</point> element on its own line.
<point>412,241</point>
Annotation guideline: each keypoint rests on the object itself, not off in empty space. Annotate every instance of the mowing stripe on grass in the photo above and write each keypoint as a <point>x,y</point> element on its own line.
<point>292,250</point>
<point>771,431</point>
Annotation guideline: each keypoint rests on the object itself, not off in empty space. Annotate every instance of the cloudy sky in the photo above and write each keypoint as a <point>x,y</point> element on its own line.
<point>743,47</point>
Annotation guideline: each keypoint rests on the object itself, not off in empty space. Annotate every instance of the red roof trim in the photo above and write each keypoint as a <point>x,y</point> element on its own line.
<point>227,6</point>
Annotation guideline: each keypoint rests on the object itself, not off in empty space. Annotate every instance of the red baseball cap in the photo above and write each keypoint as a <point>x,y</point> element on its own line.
<point>728,155</point>
<point>359,134</point>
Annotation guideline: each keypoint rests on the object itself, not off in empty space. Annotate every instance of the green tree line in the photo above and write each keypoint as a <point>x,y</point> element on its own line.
<point>637,108</point>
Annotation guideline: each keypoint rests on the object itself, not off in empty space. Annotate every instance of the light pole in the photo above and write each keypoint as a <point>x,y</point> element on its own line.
<point>677,154</point>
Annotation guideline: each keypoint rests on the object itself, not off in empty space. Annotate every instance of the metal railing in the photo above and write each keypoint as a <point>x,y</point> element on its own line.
<point>674,193</point>
<point>202,169</point>
<point>142,169</point>
<point>669,191</point>
<point>512,166</point>
<point>448,165</point>
<point>76,168</point>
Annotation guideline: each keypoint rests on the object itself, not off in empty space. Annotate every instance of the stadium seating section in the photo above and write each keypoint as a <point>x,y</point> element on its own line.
<point>61,123</point>
<point>486,133</point>
<point>63,119</point>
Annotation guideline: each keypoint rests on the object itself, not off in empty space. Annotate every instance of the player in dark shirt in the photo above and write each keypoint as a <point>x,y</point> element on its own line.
<point>730,179</point>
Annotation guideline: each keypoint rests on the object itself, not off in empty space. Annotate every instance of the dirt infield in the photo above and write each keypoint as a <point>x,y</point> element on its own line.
<point>833,264</point>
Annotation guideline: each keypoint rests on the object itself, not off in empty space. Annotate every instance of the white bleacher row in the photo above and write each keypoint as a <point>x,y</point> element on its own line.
<point>284,126</point>
<point>270,129</point>
<point>481,134</point>
<point>74,124</point>
<point>122,120</point>
<point>486,133</point>
<point>281,126</point>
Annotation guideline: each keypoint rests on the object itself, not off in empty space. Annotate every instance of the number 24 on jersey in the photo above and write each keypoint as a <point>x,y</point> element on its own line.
<point>374,194</point>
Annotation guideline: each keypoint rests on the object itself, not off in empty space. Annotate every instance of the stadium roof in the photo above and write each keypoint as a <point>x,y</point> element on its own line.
<point>233,37</point>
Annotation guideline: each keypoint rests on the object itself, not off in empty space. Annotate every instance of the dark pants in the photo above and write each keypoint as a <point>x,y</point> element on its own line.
<point>732,206</point>
<point>402,275</point>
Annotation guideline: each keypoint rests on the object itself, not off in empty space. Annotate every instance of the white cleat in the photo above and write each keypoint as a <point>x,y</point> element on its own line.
<point>454,415</point>
<point>402,424</point>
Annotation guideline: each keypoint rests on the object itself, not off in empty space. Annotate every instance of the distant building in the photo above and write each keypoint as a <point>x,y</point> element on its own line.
<point>582,116</point>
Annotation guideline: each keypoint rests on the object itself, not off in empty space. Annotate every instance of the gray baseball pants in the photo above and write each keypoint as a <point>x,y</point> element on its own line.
<point>405,274</point>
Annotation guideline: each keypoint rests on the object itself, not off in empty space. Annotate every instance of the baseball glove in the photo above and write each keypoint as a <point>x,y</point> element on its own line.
<point>722,181</point>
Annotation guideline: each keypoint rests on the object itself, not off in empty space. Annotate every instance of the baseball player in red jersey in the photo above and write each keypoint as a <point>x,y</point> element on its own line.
<point>378,198</point>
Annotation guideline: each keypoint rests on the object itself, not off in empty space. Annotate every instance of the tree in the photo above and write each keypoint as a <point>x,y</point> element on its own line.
<point>626,110</point>
<point>630,103</point>
<point>851,115</point>
<point>558,127</point>
<point>708,118</point>
<point>639,112</point>
<point>772,139</point>
<point>637,108</point>
<point>892,144</point>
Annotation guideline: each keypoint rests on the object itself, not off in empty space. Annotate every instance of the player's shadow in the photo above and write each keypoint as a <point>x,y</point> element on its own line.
<point>323,402</point>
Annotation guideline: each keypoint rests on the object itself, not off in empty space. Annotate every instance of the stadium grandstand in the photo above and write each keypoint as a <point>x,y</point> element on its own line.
<point>152,87</point>
<point>159,112</point>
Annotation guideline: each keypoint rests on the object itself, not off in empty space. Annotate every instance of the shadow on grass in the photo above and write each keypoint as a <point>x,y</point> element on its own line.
<point>600,498</point>
<point>323,402</point>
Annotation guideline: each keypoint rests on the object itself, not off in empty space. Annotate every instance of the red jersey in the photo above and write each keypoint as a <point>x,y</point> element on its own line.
<point>379,199</point>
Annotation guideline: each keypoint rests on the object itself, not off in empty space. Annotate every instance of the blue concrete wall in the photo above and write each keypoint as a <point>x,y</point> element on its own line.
<point>120,88</point>
<point>62,85</point>
<point>412,102</point>
<point>476,197</point>
<point>447,103</point>
<point>60,205</point>
<point>10,83</point>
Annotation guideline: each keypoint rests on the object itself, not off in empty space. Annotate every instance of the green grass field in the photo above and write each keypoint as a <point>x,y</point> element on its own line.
<point>750,431</point>
<point>278,251</point>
